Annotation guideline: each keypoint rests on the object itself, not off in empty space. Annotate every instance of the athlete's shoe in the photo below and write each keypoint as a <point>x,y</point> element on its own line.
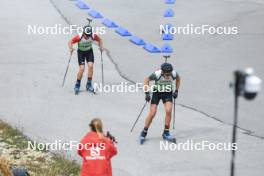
<point>142,137</point>
<point>77,88</point>
<point>168,137</point>
<point>89,86</point>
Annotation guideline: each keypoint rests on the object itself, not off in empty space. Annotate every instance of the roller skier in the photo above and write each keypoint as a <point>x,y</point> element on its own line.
<point>85,53</point>
<point>163,90</point>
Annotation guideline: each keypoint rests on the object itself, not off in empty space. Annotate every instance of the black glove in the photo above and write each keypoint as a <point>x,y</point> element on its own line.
<point>175,94</point>
<point>111,137</point>
<point>147,97</point>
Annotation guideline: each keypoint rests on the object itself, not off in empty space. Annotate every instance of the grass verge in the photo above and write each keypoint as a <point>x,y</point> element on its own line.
<point>14,153</point>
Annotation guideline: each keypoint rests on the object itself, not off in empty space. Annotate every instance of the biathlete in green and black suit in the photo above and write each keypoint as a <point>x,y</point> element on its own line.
<point>163,90</point>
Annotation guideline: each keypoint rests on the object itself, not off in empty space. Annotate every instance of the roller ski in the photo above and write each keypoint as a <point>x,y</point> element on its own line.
<point>89,87</point>
<point>77,88</point>
<point>168,137</point>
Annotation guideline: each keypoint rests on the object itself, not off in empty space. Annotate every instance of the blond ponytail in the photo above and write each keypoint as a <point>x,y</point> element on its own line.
<point>97,125</point>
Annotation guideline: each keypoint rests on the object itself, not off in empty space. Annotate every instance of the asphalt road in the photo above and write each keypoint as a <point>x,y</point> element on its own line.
<point>32,68</point>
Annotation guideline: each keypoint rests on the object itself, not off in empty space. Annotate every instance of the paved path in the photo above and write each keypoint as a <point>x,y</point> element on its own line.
<point>32,67</point>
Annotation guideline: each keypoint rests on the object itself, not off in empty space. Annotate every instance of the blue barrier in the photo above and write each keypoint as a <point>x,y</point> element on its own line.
<point>166,48</point>
<point>82,5</point>
<point>151,48</point>
<point>109,23</point>
<point>170,1</point>
<point>167,36</point>
<point>93,13</point>
<point>166,28</point>
<point>169,13</point>
<point>137,40</point>
<point>123,32</point>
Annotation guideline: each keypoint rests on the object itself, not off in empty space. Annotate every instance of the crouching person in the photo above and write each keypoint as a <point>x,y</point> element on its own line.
<point>96,149</point>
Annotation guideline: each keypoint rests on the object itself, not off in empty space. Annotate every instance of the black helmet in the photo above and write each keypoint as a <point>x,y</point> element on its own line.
<point>88,30</point>
<point>166,68</point>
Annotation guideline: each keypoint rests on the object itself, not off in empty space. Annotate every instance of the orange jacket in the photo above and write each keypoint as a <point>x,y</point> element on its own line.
<point>96,153</point>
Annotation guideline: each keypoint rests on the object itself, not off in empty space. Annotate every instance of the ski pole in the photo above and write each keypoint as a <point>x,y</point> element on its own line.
<point>102,67</point>
<point>138,116</point>
<point>67,70</point>
<point>174,114</point>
